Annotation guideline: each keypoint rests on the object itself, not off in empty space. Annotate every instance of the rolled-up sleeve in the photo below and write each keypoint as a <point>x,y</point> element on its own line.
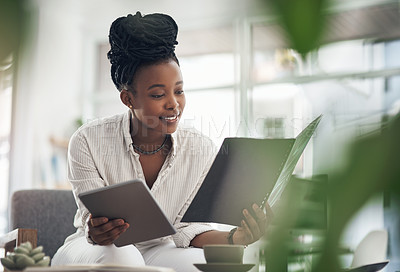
<point>187,231</point>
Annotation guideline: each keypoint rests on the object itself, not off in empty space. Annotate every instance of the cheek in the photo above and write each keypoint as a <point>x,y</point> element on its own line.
<point>182,102</point>
<point>151,107</point>
<point>147,111</point>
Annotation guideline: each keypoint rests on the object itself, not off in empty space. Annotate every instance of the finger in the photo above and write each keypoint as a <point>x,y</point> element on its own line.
<point>110,236</point>
<point>110,225</point>
<point>252,224</point>
<point>104,228</point>
<point>260,215</point>
<point>247,232</point>
<point>261,218</point>
<point>98,221</point>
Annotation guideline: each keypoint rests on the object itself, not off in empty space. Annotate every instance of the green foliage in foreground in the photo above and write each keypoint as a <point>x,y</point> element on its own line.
<point>373,168</point>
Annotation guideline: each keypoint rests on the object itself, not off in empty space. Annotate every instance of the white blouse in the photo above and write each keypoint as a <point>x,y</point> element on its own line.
<point>100,153</point>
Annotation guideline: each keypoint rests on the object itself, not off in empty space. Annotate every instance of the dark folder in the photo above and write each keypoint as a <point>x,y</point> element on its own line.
<point>246,171</point>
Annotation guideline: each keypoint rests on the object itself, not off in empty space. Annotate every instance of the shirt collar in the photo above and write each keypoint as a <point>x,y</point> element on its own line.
<point>126,126</point>
<point>174,142</point>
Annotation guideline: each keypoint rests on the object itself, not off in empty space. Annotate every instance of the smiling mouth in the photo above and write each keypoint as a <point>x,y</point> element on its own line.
<point>172,118</point>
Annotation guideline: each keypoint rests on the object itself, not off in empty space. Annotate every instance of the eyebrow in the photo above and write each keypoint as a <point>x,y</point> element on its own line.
<point>162,85</point>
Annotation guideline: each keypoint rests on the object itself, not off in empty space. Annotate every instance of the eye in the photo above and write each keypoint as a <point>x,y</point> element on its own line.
<point>157,95</point>
<point>179,92</point>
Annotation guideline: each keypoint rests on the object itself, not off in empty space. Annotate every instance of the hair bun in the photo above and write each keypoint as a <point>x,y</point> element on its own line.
<point>140,37</point>
<point>137,38</point>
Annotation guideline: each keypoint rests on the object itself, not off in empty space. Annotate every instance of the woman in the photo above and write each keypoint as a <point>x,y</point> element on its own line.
<point>146,143</point>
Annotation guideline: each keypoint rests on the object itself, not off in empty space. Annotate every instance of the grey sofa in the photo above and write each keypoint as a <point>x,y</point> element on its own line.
<point>43,217</point>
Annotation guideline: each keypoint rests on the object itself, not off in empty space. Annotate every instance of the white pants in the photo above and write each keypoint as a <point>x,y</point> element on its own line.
<point>164,254</point>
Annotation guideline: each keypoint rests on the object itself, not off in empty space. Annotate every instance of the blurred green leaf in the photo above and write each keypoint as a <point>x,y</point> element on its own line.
<point>373,168</point>
<point>303,21</point>
<point>11,23</point>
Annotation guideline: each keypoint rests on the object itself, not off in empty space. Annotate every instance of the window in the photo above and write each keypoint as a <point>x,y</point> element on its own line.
<point>243,80</point>
<point>209,89</point>
<point>353,80</point>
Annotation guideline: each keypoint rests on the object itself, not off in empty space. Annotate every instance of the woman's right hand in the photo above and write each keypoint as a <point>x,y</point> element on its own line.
<point>103,231</point>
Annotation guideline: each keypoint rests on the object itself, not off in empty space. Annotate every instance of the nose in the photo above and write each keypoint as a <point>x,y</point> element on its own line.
<point>172,103</point>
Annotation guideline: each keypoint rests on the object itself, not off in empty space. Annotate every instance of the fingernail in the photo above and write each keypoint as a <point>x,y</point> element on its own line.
<point>255,206</point>
<point>245,212</point>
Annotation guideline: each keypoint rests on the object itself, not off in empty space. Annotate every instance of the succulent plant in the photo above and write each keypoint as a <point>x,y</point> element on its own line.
<point>23,256</point>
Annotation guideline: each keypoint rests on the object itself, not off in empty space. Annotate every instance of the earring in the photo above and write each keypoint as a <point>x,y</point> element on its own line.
<point>130,106</point>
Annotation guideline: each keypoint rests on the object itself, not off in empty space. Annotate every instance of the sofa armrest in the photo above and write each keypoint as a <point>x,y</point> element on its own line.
<point>16,237</point>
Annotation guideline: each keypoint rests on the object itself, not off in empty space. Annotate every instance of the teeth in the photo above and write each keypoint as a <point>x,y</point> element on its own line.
<point>171,117</point>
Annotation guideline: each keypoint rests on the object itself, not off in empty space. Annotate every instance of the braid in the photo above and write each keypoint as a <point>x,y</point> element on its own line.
<point>136,40</point>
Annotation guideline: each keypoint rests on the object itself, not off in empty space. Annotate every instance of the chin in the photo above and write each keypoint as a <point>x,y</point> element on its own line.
<point>170,129</point>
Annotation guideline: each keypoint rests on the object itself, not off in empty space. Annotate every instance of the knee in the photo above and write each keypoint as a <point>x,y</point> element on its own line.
<point>127,255</point>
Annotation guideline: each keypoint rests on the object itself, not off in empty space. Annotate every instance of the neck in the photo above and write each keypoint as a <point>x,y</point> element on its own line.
<point>145,136</point>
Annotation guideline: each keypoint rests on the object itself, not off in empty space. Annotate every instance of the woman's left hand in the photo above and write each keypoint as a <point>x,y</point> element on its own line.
<point>253,228</point>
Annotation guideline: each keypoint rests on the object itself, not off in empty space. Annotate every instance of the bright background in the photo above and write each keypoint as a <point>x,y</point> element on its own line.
<point>240,80</point>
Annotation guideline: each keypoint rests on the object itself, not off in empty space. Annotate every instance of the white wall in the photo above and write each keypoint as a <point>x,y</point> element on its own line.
<point>56,70</point>
<point>48,91</point>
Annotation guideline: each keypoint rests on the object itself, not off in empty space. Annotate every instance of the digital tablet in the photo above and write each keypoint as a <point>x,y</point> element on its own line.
<point>133,202</point>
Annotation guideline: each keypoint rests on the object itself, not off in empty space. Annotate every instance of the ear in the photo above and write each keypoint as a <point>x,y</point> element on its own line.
<point>127,98</point>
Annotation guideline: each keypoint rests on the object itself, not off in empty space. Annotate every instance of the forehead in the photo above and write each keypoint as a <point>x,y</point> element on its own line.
<point>165,73</point>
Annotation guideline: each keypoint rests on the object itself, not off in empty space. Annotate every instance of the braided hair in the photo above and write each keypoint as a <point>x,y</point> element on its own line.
<point>138,40</point>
